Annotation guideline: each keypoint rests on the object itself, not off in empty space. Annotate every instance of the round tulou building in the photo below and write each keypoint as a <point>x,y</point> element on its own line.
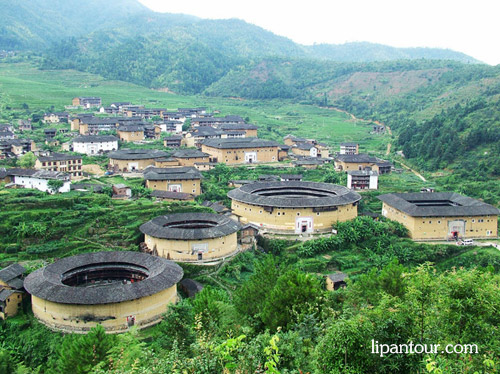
<point>114,289</point>
<point>191,237</point>
<point>294,207</point>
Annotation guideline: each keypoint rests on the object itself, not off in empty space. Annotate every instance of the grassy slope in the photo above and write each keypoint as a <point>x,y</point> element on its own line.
<point>21,83</point>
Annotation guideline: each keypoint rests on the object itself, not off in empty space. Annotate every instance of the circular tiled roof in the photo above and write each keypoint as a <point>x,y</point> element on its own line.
<point>190,226</point>
<point>47,283</point>
<point>294,194</point>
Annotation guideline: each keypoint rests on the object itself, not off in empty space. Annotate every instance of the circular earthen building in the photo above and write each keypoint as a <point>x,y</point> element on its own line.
<point>294,207</point>
<point>191,237</point>
<point>114,289</point>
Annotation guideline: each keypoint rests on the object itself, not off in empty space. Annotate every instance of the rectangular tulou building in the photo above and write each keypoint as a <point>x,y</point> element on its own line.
<point>441,215</point>
<point>241,150</point>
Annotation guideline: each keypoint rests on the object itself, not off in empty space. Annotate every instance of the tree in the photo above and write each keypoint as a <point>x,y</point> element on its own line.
<point>27,160</point>
<point>294,295</point>
<point>80,353</point>
<point>55,185</point>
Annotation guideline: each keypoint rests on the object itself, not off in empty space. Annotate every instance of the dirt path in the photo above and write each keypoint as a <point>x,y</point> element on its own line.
<point>389,131</point>
<point>388,149</point>
<point>413,171</point>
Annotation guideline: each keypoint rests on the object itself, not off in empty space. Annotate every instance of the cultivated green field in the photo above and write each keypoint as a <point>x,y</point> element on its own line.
<point>21,83</point>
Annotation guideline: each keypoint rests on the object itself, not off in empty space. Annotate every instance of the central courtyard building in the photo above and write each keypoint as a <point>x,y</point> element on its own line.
<point>294,207</point>
<point>114,289</point>
<point>191,237</point>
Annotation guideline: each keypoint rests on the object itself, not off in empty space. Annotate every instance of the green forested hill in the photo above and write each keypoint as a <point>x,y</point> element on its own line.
<point>34,24</point>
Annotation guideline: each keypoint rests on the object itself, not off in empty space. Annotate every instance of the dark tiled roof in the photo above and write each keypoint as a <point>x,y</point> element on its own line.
<point>337,277</point>
<point>362,172</point>
<point>87,186</point>
<point>5,293</point>
<point>189,153</point>
<point>217,207</point>
<point>16,171</point>
<point>294,194</point>
<point>240,143</point>
<point>348,144</point>
<point>291,176</point>
<point>206,131</point>
<point>462,205</point>
<point>94,138</point>
<point>190,286</point>
<point>182,173</point>
<point>46,283</point>
<point>238,126</point>
<point>362,157</point>
<point>131,128</point>
<point>194,226</point>
<point>171,195</point>
<point>11,272</point>
<point>58,157</point>
<point>304,146</point>
<point>137,154</point>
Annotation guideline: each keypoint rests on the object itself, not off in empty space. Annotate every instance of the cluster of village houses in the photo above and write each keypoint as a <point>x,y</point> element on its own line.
<point>208,140</point>
<point>283,204</point>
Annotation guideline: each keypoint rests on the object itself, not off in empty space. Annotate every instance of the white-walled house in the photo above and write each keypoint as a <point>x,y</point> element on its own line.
<point>362,180</point>
<point>95,144</point>
<point>39,179</point>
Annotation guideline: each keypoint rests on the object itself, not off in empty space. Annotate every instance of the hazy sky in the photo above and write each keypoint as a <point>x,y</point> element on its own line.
<point>469,26</point>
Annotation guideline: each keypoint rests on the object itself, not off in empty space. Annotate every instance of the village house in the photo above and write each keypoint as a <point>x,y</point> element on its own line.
<point>181,179</point>
<point>121,192</point>
<point>216,121</point>
<point>172,196</point>
<point>167,162</point>
<point>309,162</point>
<point>174,127</point>
<point>291,140</point>
<point>6,134</point>
<point>249,129</point>
<point>95,144</point>
<point>174,116</point>
<point>362,180</point>
<point>241,151</point>
<point>349,148</point>
<point>305,149</point>
<point>71,164</point>
<point>191,157</point>
<point>11,290</point>
<point>193,112</point>
<point>87,102</point>
<point>39,179</point>
<point>172,141</point>
<point>49,133</point>
<point>335,281</point>
<point>131,133</point>
<point>25,125</point>
<point>77,119</point>
<point>362,161</point>
<point>16,147</point>
<point>94,125</point>
<point>151,131</point>
<point>291,177</point>
<point>196,137</point>
<point>56,117</point>
<point>131,160</point>
<point>441,215</point>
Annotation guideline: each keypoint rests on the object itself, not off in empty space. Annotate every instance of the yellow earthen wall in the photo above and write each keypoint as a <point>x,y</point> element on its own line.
<point>70,317</point>
<point>180,250</point>
<point>436,228</point>
<point>284,219</point>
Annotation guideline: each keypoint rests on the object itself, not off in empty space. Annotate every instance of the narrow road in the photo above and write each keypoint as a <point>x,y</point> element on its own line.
<point>413,171</point>
<point>389,130</point>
